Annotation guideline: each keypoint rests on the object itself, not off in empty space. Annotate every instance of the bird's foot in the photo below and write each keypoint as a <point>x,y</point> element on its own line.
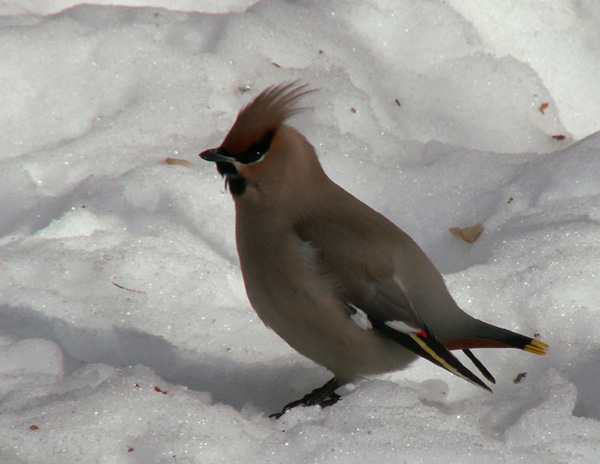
<point>323,396</point>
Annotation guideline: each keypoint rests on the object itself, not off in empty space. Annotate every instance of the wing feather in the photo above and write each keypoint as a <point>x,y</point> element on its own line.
<point>370,287</point>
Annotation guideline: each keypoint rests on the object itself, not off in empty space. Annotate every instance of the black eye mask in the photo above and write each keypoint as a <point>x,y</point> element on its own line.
<point>225,160</point>
<point>256,152</point>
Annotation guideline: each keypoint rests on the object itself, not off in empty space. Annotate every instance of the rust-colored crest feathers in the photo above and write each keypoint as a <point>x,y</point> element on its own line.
<point>264,114</point>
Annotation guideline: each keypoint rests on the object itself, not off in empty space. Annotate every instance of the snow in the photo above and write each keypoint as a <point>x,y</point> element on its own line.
<point>125,332</point>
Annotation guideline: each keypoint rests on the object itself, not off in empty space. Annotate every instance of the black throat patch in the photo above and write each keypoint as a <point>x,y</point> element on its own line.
<point>233,181</point>
<point>237,185</point>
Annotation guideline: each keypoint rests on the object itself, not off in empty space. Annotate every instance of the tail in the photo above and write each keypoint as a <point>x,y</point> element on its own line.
<point>489,336</point>
<point>484,335</point>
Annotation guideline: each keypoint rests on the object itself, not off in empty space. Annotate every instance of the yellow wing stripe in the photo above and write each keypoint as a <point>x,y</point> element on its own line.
<point>434,355</point>
<point>536,347</point>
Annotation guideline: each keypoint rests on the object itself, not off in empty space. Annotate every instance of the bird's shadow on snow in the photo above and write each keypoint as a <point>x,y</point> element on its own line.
<point>263,387</point>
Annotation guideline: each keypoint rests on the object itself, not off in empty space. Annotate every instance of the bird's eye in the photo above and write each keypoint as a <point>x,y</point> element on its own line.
<point>256,152</point>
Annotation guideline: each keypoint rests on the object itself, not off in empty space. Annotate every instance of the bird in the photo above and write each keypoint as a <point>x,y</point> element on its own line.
<point>335,279</point>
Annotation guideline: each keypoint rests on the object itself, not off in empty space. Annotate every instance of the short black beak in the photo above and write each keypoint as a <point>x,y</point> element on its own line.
<point>216,154</point>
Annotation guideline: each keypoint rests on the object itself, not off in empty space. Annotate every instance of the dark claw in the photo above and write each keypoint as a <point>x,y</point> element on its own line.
<point>323,396</point>
<point>333,398</point>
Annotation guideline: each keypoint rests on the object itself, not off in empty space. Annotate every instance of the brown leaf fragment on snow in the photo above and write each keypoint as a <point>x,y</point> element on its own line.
<point>520,377</point>
<point>559,137</point>
<point>178,161</point>
<point>127,289</point>
<point>543,107</point>
<point>468,234</point>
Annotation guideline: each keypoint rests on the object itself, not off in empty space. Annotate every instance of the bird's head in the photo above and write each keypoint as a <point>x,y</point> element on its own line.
<point>261,157</point>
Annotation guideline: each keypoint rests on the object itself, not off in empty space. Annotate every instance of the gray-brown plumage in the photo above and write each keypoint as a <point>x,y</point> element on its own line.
<point>335,279</point>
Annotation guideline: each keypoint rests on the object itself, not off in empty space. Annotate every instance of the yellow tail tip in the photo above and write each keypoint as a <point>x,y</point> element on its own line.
<point>537,347</point>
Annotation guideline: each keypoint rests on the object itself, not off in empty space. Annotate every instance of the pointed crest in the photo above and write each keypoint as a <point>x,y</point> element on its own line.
<point>264,114</point>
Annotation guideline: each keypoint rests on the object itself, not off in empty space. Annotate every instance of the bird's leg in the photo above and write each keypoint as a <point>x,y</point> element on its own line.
<point>323,396</point>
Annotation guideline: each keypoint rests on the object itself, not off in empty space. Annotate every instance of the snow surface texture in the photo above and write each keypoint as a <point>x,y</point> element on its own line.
<point>125,332</point>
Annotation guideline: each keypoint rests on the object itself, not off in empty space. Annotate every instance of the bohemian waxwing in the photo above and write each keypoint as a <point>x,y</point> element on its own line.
<point>336,280</point>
